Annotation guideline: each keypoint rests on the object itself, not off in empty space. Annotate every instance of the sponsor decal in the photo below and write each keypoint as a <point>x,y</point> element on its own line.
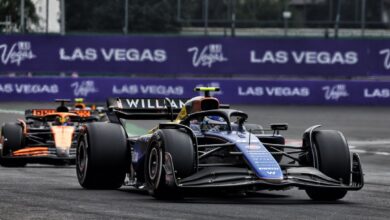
<point>16,53</point>
<point>150,103</point>
<point>386,60</point>
<point>84,88</point>
<point>268,168</point>
<point>233,91</point>
<point>134,156</point>
<point>7,88</point>
<point>304,57</point>
<point>377,93</point>
<point>253,146</point>
<point>27,88</point>
<point>335,92</point>
<point>280,57</point>
<point>275,91</point>
<point>207,56</point>
<point>134,89</point>
<point>113,54</point>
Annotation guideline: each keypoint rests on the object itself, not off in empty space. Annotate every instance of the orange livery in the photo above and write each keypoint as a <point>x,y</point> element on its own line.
<point>45,135</point>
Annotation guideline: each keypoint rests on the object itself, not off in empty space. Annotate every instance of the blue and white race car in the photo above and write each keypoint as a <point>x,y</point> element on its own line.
<point>208,146</point>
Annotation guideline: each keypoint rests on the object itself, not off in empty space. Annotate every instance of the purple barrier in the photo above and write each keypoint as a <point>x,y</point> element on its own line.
<point>194,55</point>
<point>232,91</point>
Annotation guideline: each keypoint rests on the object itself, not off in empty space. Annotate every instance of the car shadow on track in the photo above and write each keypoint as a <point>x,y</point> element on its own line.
<point>46,166</point>
<point>257,201</point>
<point>254,198</point>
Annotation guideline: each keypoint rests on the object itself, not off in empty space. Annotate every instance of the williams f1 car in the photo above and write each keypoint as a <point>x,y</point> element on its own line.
<point>208,146</point>
<point>46,135</point>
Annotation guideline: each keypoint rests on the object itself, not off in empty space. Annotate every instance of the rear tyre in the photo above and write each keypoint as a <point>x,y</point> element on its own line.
<point>334,161</point>
<point>102,156</point>
<point>12,136</point>
<point>180,146</point>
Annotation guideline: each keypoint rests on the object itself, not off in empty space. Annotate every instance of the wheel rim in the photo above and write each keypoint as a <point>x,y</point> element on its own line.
<point>82,159</point>
<point>155,164</point>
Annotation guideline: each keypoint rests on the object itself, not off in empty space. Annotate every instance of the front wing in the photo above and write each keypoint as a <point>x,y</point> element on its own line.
<point>233,177</point>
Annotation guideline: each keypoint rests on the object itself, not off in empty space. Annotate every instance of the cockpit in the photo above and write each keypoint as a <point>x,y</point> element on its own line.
<point>211,123</point>
<point>216,120</point>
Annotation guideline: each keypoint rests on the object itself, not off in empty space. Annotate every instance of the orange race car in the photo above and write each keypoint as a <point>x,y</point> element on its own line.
<point>46,135</point>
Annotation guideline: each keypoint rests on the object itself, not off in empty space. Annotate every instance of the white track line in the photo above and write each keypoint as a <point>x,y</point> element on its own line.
<point>370,152</point>
<point>8,111</point>
<point>353,148</point>
<point>370,142</point>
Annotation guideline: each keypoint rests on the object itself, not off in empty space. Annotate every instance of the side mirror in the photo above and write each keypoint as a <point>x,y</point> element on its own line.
<point>279,126</point>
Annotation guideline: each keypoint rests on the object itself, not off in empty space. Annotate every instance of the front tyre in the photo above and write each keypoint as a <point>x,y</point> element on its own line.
<point>101,156</point>
<point>12,136</point>
<point>334,161</point>
<point>180,147</point>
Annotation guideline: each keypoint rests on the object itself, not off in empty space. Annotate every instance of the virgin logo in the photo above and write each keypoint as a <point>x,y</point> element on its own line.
<point>83,88</point>
<point>335,92</point>
<point>16,53</point>
<point>386,61</point>
<point>209,55</point>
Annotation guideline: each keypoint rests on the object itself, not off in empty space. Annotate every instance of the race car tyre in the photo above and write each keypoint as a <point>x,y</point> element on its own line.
<point>334,161</point>
<point>12,136</point>
<point>102,156</point>
<point>180,146</point>
<point>254,128</point>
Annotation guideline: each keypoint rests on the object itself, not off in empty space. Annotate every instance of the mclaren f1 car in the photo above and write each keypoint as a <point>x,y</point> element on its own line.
<point>45,135</point>
<point>208,146</point>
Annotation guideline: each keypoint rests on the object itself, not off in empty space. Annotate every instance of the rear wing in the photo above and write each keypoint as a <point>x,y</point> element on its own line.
<point>144,109</point>
<point>37,113</point>
<point>49,115</point>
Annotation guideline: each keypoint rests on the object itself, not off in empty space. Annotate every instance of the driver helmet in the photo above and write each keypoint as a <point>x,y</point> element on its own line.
<point>79,104</point>
<point>214,119</point>
<point>62,120</point>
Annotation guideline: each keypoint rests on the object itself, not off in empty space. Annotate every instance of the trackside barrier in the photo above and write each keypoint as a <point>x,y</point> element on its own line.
<point>273,92</point>
<point>162,55</point>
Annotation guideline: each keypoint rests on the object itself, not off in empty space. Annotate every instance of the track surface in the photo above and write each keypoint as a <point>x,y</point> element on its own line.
<point>50,192</point>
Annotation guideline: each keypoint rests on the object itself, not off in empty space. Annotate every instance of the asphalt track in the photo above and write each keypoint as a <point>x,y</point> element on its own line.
<point>52,192</point>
